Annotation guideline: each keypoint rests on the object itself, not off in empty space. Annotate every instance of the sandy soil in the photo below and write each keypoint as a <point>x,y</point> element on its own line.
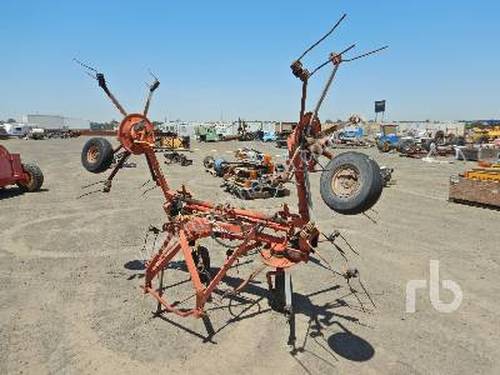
<point>70,274</point>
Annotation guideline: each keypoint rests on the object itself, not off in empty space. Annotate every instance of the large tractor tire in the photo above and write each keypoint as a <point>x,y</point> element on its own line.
<point>351,183</point>
<point>97,155</point>
<point>35,180</point>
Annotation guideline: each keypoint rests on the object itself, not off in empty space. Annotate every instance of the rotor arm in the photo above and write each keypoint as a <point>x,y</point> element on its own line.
<point>152,88</point>
<point>102,84</point>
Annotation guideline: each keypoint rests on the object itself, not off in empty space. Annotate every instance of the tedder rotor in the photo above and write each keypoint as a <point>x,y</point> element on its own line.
<point>351,183</point>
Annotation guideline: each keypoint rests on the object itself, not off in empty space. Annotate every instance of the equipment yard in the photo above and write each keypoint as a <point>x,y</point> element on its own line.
<point>71,271</point>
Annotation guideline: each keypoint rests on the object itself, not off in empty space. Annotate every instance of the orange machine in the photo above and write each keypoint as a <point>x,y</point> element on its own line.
<point>351,183</point>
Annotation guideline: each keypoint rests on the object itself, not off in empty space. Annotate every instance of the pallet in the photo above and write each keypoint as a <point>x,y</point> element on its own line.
<point>485,193</point>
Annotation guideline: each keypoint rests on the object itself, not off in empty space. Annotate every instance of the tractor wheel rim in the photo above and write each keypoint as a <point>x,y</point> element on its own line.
<point>29,179</point>
<point>93,154</point>
<point>346,182</point>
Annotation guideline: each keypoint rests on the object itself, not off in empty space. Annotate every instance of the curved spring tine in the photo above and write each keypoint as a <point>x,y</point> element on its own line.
<point>324,37</point>
<point>366,54</point>
<point>331,58</point>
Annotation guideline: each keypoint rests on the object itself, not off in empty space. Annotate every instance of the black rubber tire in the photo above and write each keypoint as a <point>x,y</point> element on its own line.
<point>103,157</point>
<point>378,184</point>
<point>36,178</point>
<point>370,187</point>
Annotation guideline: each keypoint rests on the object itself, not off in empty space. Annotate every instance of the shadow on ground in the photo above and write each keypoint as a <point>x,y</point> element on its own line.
<point>255,300</point>
<point>6,193</point>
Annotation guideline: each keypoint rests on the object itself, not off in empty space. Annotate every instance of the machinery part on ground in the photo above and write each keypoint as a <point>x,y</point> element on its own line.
<point>97,155</point>
<point>474,192</point>
<point>62,133</point>
<point>219,167</point>
<point>386,173</point>
<point>174,157</point>
<point>253,175</point>
<point>27,176</point>
<point>208,162</point>
<point>351,183</point>
<point>261,188</point>
<point>407,146</point>
<point>35,178</point>
<point>479,186</point>
<point>171,141</point>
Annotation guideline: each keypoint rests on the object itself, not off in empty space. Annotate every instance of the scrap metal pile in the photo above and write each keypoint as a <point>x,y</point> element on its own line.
<point>253,175</point>
<point>173,147</point>
<point>351,183</point>
<point>480,186</point>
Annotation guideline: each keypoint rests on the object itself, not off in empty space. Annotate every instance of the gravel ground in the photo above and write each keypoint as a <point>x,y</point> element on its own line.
<point>70,274</point>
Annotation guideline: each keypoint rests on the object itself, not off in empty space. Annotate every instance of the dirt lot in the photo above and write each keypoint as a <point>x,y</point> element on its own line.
<point>70,275</point>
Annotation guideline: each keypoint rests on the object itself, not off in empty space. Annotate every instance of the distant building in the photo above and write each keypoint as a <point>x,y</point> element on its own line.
<point>55,122</point>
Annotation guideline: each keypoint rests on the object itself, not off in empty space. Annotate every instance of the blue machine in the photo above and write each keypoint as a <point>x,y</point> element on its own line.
<point>351,133</point>
<point>388,138</point>
<point>269,137</point>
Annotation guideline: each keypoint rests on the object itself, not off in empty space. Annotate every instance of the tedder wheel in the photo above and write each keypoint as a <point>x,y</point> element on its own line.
<point>351,183</point>
<point>97,155</point>
<point>35,178</point>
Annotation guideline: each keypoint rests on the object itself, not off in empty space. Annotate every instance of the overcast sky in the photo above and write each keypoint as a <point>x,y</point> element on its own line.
<point>231,58</point>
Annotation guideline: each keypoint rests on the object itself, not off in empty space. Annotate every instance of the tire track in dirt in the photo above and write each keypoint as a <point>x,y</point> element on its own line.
<point>12,238</point>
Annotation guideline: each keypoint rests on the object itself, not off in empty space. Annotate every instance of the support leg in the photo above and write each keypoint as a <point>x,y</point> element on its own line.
<point>289,310</point>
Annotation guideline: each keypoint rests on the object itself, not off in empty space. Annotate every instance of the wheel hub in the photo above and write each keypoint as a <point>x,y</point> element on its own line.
<point>345,182</point>
<point>93,154</point>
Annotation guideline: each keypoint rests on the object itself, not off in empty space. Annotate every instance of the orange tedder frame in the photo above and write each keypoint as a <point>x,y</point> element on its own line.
<point>283,239</point>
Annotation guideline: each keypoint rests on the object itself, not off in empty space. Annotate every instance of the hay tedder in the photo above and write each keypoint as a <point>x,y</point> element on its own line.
<point>351,183</point>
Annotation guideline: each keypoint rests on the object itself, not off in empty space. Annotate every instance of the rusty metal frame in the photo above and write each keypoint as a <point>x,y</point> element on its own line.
<point>283,239</point>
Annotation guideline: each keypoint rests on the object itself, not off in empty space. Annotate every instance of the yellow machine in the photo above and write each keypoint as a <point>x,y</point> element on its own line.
<point>171,141</point>
<point>482,135</point>
<point>490,172</point>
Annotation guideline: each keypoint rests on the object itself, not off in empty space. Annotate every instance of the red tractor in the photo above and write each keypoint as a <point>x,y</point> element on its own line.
<point>28,177</point>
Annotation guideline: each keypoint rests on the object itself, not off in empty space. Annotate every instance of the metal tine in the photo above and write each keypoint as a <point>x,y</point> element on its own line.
<point>89,193</point>
<point>92,184</point>
<point>366,292</point>
<point>145,192</point>
<point>85,65</point>
<point>366,54</point>
<point>152,87</point>
<point>102,83</point>
<point>324,37</point>
<point>152,75</point>
<point>330,59</point>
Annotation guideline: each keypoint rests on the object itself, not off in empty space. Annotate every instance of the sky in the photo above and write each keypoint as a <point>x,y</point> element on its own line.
<point>229,59</point>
